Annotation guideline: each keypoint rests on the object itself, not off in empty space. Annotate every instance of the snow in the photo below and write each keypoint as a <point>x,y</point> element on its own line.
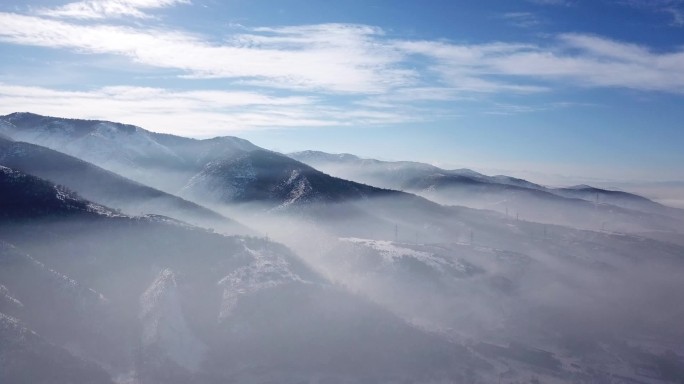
<point>67,283</point>
<point>4,292</point>
<point>267,270</point>
<point>300,188</point>
<point>10,172</point>
<point>62,195</point>
<point>13,324</point>
<point>222,180</point>
<point>108,145</point>
<point>392,252</point>
<point>164,325</point>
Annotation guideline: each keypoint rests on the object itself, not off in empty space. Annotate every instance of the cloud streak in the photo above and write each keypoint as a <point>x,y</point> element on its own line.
<point>102,9</point>
<point>360,59</point>
<point>522,19</point>
<point>330,57</point>
<point>192,113</point>
<point>673,8</point>
<point>571,60</point>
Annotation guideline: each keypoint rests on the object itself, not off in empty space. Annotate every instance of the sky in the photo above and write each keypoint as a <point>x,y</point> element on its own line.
<point>558,91</point>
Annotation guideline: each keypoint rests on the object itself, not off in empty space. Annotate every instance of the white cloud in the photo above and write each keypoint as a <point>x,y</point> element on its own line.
<point>101,9</point>
<point>570,60</point>
<point>191,113</point>
<point>358,61</point>
<point>329,57</point>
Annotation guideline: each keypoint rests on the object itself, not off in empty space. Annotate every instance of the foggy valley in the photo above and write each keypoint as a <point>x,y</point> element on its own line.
<point>129,256</point>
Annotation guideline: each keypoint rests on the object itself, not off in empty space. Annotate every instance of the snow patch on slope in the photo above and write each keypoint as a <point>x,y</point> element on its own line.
<point>14,326</point>
<point>392,252</point>
<point>58,281</point>
<point>221,180</point>
<point>267,270</point>
<point>299,186</point>
<point>164,325</point>
<point>109,145</point>
<point>7,296</point>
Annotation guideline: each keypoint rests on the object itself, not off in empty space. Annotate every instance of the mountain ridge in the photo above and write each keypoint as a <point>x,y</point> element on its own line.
<point>100,185</point>
<point>190,164</point>
<point>500,193</point>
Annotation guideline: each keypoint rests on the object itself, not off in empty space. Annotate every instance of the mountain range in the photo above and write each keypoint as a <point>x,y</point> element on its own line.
<point>578,206</point>
<point>129,256</point>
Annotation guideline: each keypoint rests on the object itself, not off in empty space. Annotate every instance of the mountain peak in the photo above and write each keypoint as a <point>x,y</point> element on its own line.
<point>323,156</point>
<point>581,186</point>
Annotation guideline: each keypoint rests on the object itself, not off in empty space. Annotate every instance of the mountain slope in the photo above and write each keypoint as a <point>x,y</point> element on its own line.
<point>124,149</point>
<point>25,357</point>
<point>397,174</point>
<point>97,184</point>
<point>617,198</point>
<point>183,304</point>
<point>26,196</point>
<point>262,176</point>
<point>219,170</point>
<point>575,207</point>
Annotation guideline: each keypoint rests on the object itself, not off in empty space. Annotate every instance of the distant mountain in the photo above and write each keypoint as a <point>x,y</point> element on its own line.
<point>124,149</point>
<point>261,176</point>
<point>224,171</point>
<point>219,170</point>
<point>154,300</point>
<point>397,174</point>
<point>516,197</point>
<point>108,188</point>
<point>617,198</point>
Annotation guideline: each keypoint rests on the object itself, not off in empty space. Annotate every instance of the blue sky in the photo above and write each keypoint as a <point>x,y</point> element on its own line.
<point>554,90</point>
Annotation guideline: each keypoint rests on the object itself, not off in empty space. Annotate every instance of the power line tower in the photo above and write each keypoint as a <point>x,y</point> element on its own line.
<point>396,233</point>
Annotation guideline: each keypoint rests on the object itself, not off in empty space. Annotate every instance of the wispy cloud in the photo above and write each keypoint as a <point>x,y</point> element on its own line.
<point>101,9</point>
<point>568,60</point>
<point>515,109</point>
<point>193,113</point>
<point>522,19</point>
<point>673,8</point>
<point>328,57</point>
<point>677,15</point>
